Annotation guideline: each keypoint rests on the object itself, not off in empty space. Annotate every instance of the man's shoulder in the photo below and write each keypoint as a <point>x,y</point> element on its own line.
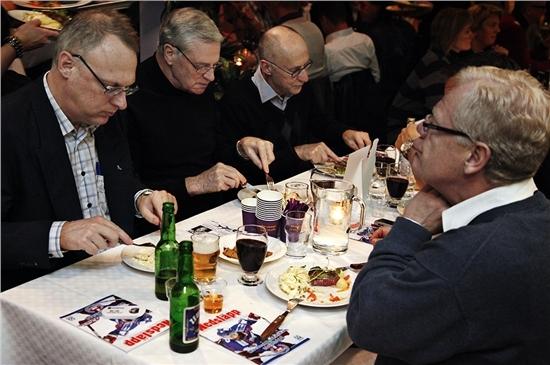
<point>18,107</point>
<point>236,90</point>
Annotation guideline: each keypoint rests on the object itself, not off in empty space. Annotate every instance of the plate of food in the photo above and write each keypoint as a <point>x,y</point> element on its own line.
<point>332,169</point>
<point>52,5</point>
<point>46,21</point>
<point>139,258</point>
<point>318,285</point>
<point>228,251</point>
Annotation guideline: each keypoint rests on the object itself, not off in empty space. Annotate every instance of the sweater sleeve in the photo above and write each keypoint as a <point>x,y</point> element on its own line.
<point>398,306</point>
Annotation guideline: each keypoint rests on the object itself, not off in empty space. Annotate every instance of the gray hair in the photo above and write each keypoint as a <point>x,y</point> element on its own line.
<point>510,112</point>
<point>187,26</point>
<point>88,29</point>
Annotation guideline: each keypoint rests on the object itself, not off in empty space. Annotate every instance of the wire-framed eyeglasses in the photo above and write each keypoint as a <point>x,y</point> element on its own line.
<point>108,89</point>
<point>200,69</point>
<point>294,74</point>
<point>427,124</point>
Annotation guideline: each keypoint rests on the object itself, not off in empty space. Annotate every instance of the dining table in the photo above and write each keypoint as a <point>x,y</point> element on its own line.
<point>33,333</point>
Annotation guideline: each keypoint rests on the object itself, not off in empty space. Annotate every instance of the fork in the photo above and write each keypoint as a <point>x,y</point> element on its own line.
<point>290,305</point>
<point>270,182</point>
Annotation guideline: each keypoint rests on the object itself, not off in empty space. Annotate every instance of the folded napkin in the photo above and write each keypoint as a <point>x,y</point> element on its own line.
<point>360,168</point>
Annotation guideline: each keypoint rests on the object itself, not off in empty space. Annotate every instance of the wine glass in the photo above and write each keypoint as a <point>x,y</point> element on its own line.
<point>397,181</point>
<point>251,250</point>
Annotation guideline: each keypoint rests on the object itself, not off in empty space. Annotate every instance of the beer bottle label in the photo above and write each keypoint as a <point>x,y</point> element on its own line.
<point>190,331</point>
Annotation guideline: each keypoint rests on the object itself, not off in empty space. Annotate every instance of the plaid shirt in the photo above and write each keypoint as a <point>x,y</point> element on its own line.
<point>80,144</point>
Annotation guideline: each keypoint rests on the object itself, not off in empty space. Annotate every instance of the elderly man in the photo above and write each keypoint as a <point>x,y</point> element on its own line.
<point>68,187</point>
<point>478,293</point>
<point>174,117</point>
<point>277,105</point>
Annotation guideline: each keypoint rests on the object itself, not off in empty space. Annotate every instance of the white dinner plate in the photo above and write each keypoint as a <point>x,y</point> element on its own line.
<point>22,14</point>
<point>274,245</point>
<point>52,5</point>
<point>133,256</point>
<point>322,293</point>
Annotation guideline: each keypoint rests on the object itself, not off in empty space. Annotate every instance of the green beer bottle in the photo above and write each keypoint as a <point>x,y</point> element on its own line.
<point>184,304</point>
<point>166,251</point>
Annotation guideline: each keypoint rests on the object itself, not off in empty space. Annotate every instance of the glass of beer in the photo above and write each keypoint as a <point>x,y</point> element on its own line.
<point>251,250</point>
<point>206,249</point>
<point>212,295</point>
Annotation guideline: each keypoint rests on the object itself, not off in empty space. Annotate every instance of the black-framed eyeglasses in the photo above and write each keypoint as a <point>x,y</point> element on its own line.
<point>200,69</point>
<point>427,125</point>
<point>108,89</point>
<point>294,74</point>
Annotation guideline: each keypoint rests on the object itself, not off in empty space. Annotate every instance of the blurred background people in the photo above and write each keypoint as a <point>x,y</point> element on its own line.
<point>451,34</point>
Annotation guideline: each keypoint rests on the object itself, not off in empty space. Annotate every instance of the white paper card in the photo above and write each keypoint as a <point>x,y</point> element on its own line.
<point>356,167</point>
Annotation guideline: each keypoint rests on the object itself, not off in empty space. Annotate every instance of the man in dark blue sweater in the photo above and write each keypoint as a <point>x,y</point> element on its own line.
<point>479,292</point>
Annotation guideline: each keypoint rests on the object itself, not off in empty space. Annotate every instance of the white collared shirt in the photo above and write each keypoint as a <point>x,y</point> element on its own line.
<point>464,212</point>
<point>80,145</point>
<point>266,91</point>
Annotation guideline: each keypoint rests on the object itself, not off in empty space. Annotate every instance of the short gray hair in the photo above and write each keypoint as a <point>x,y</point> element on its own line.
<point>187,26</point>
<point>510,112</point>
<point>88,29</point>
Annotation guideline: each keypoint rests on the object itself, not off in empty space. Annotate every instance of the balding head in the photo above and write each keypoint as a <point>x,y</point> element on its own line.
<point>280,43</point>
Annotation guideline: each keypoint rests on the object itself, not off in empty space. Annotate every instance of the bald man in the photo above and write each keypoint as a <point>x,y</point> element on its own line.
<point>277,105</point>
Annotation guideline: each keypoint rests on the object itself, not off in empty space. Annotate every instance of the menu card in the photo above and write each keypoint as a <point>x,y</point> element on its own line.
<point>118,322</point>
<point>240,334</point>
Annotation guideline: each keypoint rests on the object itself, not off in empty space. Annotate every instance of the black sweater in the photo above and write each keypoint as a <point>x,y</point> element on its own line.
<point>243,115</point>
<point>172,136</point>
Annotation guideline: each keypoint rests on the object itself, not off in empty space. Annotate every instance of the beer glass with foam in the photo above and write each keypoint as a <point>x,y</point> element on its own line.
<point>206,250</point>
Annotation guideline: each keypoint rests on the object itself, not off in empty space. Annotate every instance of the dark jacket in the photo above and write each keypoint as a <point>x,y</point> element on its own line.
<point>38,185</point>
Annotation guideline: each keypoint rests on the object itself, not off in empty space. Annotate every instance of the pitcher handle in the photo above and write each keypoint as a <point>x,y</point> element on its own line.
<point>361,222</point>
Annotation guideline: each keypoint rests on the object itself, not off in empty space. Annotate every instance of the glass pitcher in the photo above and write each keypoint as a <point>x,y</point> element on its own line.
<point>333,201</point>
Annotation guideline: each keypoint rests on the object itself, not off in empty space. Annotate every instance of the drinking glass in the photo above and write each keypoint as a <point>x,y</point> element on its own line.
<point>251,250</point>
<point>298,191</point>
<point>206,249</point>
<point>397,181</point>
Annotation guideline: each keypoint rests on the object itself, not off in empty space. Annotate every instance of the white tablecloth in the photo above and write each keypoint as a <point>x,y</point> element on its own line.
<point>32,332</point>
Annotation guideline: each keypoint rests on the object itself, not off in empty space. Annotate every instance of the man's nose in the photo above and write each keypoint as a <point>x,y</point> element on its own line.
<point>120,101</point>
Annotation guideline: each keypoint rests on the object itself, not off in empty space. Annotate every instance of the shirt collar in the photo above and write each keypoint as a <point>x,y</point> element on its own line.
<point>266,91</point>
<point>64,123</point>
<point>464,212</point>
<point>340,33</point>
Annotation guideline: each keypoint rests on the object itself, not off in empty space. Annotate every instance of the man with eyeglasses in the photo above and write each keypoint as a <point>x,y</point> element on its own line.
<point>68,187</point>
<point>463,276</point>
<point>174,117</point>
<point>277,105</point>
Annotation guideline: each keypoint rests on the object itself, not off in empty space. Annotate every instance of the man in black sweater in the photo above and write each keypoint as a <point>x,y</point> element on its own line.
<point>479,292</point>
<point>173,119</point>
<point>277,105</point>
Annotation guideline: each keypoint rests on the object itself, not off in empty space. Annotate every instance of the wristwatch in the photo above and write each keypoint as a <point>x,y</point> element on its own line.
<point>139,194</point>
<point>16,44</point>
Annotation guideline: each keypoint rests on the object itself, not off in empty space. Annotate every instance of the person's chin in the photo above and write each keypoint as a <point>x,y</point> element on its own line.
<point>198,90</point>
<point>296,90</point>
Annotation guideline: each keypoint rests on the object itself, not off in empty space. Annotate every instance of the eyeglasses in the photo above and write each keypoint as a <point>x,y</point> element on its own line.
<point>108,89</point>
<point>427,125</point>
<point>294,74</point>
<point>201,69</point>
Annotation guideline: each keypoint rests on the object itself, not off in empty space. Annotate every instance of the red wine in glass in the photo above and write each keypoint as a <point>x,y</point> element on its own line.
<point>397,186</point>
<point>251,254</point>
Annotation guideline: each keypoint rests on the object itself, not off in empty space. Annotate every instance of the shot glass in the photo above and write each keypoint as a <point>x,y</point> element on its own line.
<point>212,295</point>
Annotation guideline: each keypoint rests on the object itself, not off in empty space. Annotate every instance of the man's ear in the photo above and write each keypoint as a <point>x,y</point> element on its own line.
<point>265,67</point>
<point>65,64</point>
<point>479,157</point>
<point>169,54</point>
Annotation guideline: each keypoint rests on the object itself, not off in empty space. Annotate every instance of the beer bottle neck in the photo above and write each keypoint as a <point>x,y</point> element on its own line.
<point>168,228</point>
<point>185,262</point>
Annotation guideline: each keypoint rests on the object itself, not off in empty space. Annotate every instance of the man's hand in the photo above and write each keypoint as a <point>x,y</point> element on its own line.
<point>356,139</point>
<point>92,235</point>
<point>219,177</point>
<point>258,150</point>
<point>316,153</point>
<point>379,234</point>
<point>150,206</point>
<point>426,208</point>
